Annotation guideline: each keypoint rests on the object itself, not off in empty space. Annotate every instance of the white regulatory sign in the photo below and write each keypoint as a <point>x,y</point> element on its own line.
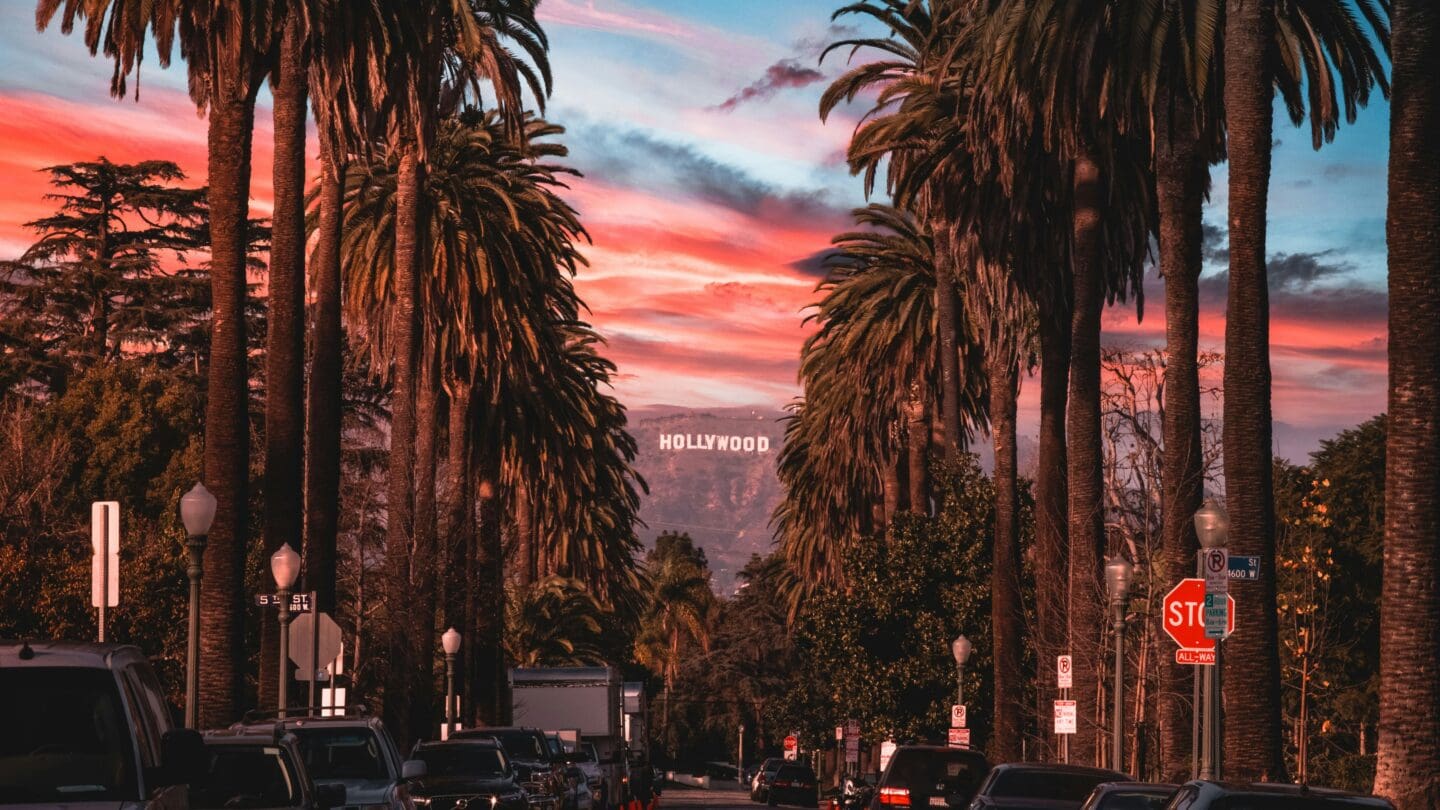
<point>1065,717</point>
<point>1064,672</point>
<point>957,716</point>
<point>105,557</point>
<point>1215,565</point>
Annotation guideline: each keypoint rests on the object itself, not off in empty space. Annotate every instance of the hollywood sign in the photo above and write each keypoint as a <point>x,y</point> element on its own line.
<point>711,441</point>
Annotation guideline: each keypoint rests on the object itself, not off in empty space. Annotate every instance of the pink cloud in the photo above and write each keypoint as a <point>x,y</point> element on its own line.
<point>614,19</point>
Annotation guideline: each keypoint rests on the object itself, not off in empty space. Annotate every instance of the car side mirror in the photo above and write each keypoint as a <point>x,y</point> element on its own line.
<point>413,769</point>
<point>182,756</point>
<point>329,796</point>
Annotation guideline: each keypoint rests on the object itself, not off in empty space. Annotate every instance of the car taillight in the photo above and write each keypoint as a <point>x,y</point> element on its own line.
<point>780,784</point>
<point>895,796</point>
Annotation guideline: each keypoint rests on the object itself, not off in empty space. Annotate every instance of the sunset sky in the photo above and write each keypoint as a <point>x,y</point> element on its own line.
<point>710,186</point>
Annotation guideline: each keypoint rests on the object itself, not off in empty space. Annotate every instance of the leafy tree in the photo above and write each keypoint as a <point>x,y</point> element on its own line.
<point>554,623</point>
<point>879,651</point>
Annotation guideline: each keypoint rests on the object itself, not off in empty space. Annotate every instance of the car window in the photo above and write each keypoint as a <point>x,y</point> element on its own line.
<point>1044,784</point>
<point>586,753</point>
<point>521,744</point>
<point>1310,802</point>
<point>244,777</point>
<point>462,760</point>
<point>800,772</point>
<point>66,737</point>
<point>924,770</point>
<point>342,753</point>
<point>1132,800</point>
<point>147,738</point>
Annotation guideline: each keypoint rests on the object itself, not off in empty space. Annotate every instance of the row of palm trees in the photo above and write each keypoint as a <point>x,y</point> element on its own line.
<point>1035,154</point>
<point>443,253</point>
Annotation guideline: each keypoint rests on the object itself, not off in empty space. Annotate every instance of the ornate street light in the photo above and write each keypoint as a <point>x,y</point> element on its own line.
<point>197,512</point>
<point>1212,525</point>
<point>450,643</point>
<point>1118,574</point>
<point>961,649</point>
<point>285,568</point>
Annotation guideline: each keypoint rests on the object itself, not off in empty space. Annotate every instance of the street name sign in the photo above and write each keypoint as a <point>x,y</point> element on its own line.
<point>299,602</point>
<point>105,557</point>
<point>1183,614</point>
<point>1065,671</point>
<point>957,716</point>
<point>1244,567</point>
<point>1065,717</point>
<point>959,738</point>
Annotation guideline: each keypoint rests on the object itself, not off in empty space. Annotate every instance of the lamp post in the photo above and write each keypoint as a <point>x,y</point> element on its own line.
<point>285,567</point>
<point>1118,573</point>
<point>450,643</point>
<point>1212,528</point>
<point>961,649</point>
<point>197,512</point>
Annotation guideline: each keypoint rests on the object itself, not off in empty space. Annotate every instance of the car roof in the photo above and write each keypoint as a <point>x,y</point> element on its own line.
<point>329,722</point>
<point>473,742</point>
<point>1283,789</point>
<point>70,654</point>
<point>1051,767</point>
<point>1154,788</point>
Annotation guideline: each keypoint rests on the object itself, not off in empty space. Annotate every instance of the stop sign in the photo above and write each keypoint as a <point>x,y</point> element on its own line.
<point>1184,615</point>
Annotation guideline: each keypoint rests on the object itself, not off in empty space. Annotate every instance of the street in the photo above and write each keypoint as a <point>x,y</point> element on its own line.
<point>728,797</point>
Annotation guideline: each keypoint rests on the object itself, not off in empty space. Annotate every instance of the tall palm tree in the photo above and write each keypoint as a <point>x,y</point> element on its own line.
<point>1408,754</point>
<point>224,43</point>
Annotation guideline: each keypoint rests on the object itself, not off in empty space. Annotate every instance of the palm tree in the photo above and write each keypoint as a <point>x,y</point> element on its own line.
<point>1408,754</point>
<point>223,42</point>
<point>554,623</point>
<point>681,604</point>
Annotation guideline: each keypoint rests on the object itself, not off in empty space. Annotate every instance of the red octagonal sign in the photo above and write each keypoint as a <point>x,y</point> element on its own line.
<point>1184,616</point>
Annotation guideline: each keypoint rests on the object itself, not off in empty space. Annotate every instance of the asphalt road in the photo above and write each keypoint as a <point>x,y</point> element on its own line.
<point>730,798</point>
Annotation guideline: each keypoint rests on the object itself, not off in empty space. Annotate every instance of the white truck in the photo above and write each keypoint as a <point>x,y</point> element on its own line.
<point>559,700</point>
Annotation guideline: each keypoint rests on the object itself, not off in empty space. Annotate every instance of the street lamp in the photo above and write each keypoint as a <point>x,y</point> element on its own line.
<point>1212,527</point>
<point>285,567</point>
<point>1118,573</point>
<point>961,649</point>
<point>197,512</point>
<point>450,643</point>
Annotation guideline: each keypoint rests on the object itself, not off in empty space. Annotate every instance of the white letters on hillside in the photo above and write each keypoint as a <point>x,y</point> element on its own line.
<point>712,442</point>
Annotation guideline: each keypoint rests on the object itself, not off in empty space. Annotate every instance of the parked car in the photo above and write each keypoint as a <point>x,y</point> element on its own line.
<point>795,784</point>
<point>1130,796</point>
<point>1036,786</point>
<point>358,752</point>
<point>760,785</point>
<point>1206,795</point>
<point>258,766</point>
<point>540,774</point>
<point>88,723</point>
<point>930,776</point>
<point>476,771</point>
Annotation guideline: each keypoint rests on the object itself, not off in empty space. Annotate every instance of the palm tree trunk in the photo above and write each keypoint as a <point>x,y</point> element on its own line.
<point>1408,753</point>
<point>1252,736</point>
<point>400,528</point>
<point>890,484</point>
<point>460,523</point>
<point>324,405</point>
<point>489,679</point>
<point>1180,186</point>
<point>421,607</point>
<point>917,451</point>
<point>284,505</point>
<point>227,410</point>
<point>947,313</point>
<point>1083,456</point>
<point>1051,506</point>
<point>1007,614</point>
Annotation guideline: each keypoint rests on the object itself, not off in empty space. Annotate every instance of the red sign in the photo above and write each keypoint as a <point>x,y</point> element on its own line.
<point>792,747</point>
<point>959,738</point>
<point>1184,621</point>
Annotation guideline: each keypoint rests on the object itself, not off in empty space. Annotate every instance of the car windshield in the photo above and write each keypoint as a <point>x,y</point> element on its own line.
<point>1133,800</point>
<point>1034,783</point>
<point>244,777</point>
<point>65,739</point>
<point>458,759</point>
<point>1311,802</point>
<point>337,754</point>
<point>923,771</point>
<point>585,753</point>
<point>521,744</point>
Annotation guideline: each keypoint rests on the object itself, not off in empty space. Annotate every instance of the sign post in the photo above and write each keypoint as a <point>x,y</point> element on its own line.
<point>959,738</point>
<point>958,716</point>
<point>1183,617</point>
<point>1065,717</point>
<point>105,559</point>
<point>792,747</point>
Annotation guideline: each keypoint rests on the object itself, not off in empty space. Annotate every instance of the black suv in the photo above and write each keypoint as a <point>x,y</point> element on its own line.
<point>1205,795</point>
<point>541,775</point>
<point>252,766</point>
<point>923,776</point>
<point>474,771</point>
<point>1041,786</point>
